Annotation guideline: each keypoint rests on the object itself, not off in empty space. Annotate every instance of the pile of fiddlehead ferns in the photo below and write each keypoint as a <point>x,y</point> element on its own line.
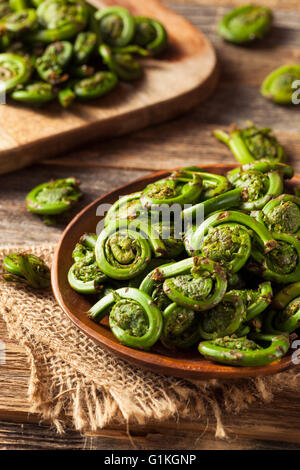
<point>226,281</point>
<point>66,49</point>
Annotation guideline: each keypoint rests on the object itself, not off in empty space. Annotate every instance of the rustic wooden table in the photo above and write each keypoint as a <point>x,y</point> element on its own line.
<point>102,166</point>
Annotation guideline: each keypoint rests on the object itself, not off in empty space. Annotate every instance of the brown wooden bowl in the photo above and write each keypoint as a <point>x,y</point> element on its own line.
<point>182,364</point>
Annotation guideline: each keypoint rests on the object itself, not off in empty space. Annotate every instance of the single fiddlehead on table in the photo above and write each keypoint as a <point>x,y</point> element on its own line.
<point>27,269</point>
<point>246,352</point>
<point>278,85</point>
<point>245,24</point>
<point>197,283</point>
<point>134,319</point>
<point>151,34</point>
<point>54,197</point>
<point>252,143</point>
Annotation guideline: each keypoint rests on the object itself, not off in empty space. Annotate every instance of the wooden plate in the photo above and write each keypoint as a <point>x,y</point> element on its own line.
<point>182,364</point>
<point>182,77</point>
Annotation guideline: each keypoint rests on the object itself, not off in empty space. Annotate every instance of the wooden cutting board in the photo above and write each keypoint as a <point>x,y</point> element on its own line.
<point>184,76</point>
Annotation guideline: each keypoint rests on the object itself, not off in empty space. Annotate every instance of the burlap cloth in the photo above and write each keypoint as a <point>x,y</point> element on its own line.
<point>71,377</point>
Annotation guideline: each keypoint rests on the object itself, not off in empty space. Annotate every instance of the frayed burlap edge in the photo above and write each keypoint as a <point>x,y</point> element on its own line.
<point>72,380</point>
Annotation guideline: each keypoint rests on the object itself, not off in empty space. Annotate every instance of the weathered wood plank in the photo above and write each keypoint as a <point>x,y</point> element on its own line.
<point>34,436</point>
<point>287,4</point>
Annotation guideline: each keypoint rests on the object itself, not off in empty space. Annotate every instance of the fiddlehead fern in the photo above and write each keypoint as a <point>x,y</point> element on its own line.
<point>286,304</point>
<point>223,201</point>
<point>18,22</point>
<point>85,276</point>
<point>126,207</point>
<point>54,197</point>
<point>85,247</point>
<point>173,243</point>
<point>52,65</point>
<point>180,327</point>
<point>246,352</point>
<point>197,283</point>
<point>61,20</point>
<point>224,319</point>
<point>282,214</point>
<point>34,94</point>
<point>264,166</point>
<point>14,70</point>
<point>252,143</point>
<point>282,264</point>
<point>96,86</point>
<point>116,25</point>
<point>73,31</point>
<point>229,244</point>
<point>245,24</point>
<point>260,181</point>
<point>195,237</point>
<point>173,190</point>
<point>134,319</point>
<point>213,185</point>
<point>256,301</point>
<point>277,86</point>
<point>151,34</point>
<point>122,252</point>
<point>84,46</point>
<point>66,95</point>
<point>27,269</point>
<point>134,250</point>
<point>120,63</point>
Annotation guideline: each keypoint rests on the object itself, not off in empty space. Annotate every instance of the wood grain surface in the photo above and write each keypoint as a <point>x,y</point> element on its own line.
<point>106,165</point>
<point>182,77</point>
